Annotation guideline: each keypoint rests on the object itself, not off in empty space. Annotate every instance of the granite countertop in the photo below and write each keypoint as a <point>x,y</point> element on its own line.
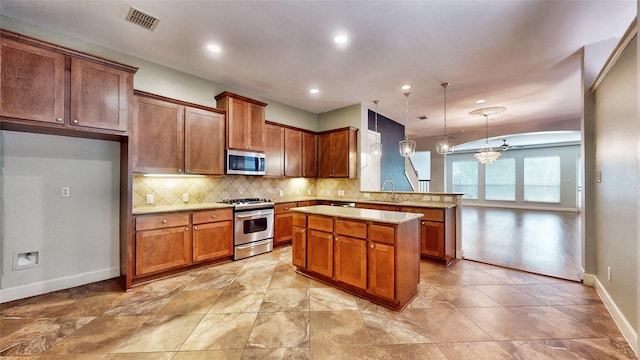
<point>176,208</point>
<point>392,217</point>
<point>399,203</point>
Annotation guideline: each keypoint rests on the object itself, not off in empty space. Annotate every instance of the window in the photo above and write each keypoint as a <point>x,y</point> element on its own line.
<point>464,178</point>
<point>500,180</point>
<point>542,179</point>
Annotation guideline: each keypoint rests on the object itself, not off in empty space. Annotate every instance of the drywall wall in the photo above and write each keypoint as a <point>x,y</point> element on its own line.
<point>76,236</point>
<point>616,194</point>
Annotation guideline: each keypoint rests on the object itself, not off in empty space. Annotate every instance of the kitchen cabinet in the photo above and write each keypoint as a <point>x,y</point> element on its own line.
<point>212,234</point>
<point>376,260</point>
<point>292,153</point>
<point>437,233</point>
<point>337,153</point>
<point>283,223</point>
<point>309,155</point>
<point>245,121</point>
<point>378,206</point>
<point>274,151</point>
<point>50,86</point>
<point>174,137</point>
<point>163,242</point>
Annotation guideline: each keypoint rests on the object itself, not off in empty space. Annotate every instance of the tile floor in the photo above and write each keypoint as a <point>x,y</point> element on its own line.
<point>259,308</point>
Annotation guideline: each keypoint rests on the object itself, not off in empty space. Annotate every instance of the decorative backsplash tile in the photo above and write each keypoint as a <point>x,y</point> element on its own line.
<point>169,190</point>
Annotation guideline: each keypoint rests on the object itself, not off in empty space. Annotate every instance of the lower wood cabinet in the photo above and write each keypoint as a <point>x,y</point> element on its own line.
<point>377,261</point>
<point>283,223</point>
<point>169,241</point>
<point>437,233</point>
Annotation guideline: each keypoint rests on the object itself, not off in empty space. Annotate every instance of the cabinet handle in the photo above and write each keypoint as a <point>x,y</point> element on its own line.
<point>337,238</point>
<point>75,121</point>
<point>164,221</point>
<point>59,119</point>
<point>179,170</point>
<point>188,170</point>
<point>194,228</point>
<point>186,229</point>
<point>302,231</point>
<point>213,216</point>
<point>423,223</point>
<point>372,246</point>
<point>329,237</point>
<point>286,209</point>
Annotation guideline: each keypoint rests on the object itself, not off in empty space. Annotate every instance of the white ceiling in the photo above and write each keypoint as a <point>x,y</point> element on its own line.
<point>520,54</point>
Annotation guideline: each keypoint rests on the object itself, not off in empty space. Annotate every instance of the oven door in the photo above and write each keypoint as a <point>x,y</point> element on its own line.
<point>253,225</point>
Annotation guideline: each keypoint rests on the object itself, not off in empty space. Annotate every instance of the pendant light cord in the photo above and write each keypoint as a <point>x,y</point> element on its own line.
<point>486,132</point>
<point>376,117</point>
<point>406,122</point>
<point>444,85</point>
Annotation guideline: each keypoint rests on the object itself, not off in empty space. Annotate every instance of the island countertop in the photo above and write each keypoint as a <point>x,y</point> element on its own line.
<point>391,217</point>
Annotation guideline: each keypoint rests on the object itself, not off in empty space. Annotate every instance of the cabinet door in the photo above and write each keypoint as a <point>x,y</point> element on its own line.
<point>292,153</point>
<point>212,240</point>
<point>164,249</point>
<point>381,270</point>
<point>320,252</point>
<point>324,156</point>
<point>204,142</point>
<point>432,239</point>
<point>309,155</point>
<point>158,136</point>
<point>31,82</point>
<point>282,229</point>
<point>350,255</point>
<point>99,95</point>
<point>340,154</point>
<point>255,124</point>
<point>274,165</point>
<point>236,124</point>
<point>299,247</point>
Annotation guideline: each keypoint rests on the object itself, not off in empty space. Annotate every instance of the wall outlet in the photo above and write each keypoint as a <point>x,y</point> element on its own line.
<point>297,192</point>
<point>367,195</point>
<point>609,273</point>
<point>426,198</point>
<point>281,193</point>
<point>309,192</point>
<point>65,191</point>
<point>340,192</point>
<point>185,197</point>
<point>149,199</point>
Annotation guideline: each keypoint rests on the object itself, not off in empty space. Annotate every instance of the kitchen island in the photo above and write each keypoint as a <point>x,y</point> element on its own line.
<point>374,254</point>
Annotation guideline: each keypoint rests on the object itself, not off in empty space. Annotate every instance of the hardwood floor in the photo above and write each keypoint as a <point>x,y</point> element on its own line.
<point>542,242</point>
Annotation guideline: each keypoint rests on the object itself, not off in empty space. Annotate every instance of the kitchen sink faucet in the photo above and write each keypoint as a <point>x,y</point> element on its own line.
<point>393,188</point>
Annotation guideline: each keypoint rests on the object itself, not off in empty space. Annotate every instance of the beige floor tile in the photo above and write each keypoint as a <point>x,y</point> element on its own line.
<point>336,328</point>
<point>221,331</point>
<point>280,329</point>
<point>343,353</point>
<point>141,356</point>
<point>502,324</point>
<point>554,322</point>
<point>328,299</point>
<point>465,296</point>
<point>190,302</point>
<point>551,296</point>
<point>513,276</point>
<point>449,325</point>
<point>601,348</point>
<point>507,295</point>
<point>569,349</point>
<point>161,333</point>
<point>389,327</point>
<point>579,290</point>
<point>140,302</point>
<point>477,277</point>
<point>276,354</point>
<point>287,280</point>
<point>209,355</point>
<point>60,357</point>
<point>238,301</point>
<point>285,300</point>
<point>9,325</point>
<point>475,351</point>
<point>410,352</point>
<point>429,298</point>
<point>211,281</point>
<point>595,317</point>
<point>39,335</point>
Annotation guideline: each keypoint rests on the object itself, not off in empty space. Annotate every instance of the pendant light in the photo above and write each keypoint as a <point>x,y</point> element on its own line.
<point>487,155</point>
<point>407,147</point>
<point>445,144</point>
<point>376,148</point>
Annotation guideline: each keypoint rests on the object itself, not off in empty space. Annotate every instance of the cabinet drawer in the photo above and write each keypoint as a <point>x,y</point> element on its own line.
<point>283,208</point>
<point>206,216</point>
<point>161,221</point>
<point>351,228</point>
<point>306,203</point>
<point>382,234</point>
<point>299,220</point>
<point>429,214</point>
<point>320,223</point>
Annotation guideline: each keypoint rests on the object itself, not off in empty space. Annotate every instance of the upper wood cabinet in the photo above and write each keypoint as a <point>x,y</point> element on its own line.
<point>292,153</point>
<point>283,151</point>
<point>309,155</point>
<point>245,121</point>
<point>171,137</point>
<point>337,153</point>
<point>274,151</point>
<point>49,84</point>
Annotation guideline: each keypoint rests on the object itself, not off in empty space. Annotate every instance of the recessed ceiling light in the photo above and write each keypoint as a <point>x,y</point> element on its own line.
<point>214,48</point>
<point>340,39</point>
<point>314,91</point>
<point>406,87</point>
<point>481,101</point>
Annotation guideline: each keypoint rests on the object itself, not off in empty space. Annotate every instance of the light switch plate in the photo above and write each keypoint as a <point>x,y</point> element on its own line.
<point>149,199</point>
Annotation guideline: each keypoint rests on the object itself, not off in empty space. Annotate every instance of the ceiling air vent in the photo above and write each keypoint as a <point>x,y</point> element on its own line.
<point>141,19</point>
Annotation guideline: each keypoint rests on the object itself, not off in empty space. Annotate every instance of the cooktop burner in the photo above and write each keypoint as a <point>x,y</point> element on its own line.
<point>249,203</point>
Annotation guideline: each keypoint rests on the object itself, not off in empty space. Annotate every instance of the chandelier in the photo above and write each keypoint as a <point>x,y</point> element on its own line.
<point>376,148</point>
<point>445,144</point>
<point>487,155</point>
<point>407,147</point>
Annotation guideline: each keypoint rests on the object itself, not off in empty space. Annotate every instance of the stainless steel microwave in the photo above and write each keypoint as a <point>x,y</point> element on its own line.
<point>244,162</point>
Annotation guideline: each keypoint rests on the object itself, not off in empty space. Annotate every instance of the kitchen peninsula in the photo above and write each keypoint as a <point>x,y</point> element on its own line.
<point>371,253</point>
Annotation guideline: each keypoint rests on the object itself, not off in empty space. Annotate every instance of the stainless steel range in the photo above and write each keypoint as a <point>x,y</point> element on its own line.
<point>253,226</point>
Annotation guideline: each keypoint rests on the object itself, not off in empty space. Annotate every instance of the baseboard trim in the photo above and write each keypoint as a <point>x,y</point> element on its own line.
<point>625,327</point>
<point>459,254</point>
<point>43,287</point>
